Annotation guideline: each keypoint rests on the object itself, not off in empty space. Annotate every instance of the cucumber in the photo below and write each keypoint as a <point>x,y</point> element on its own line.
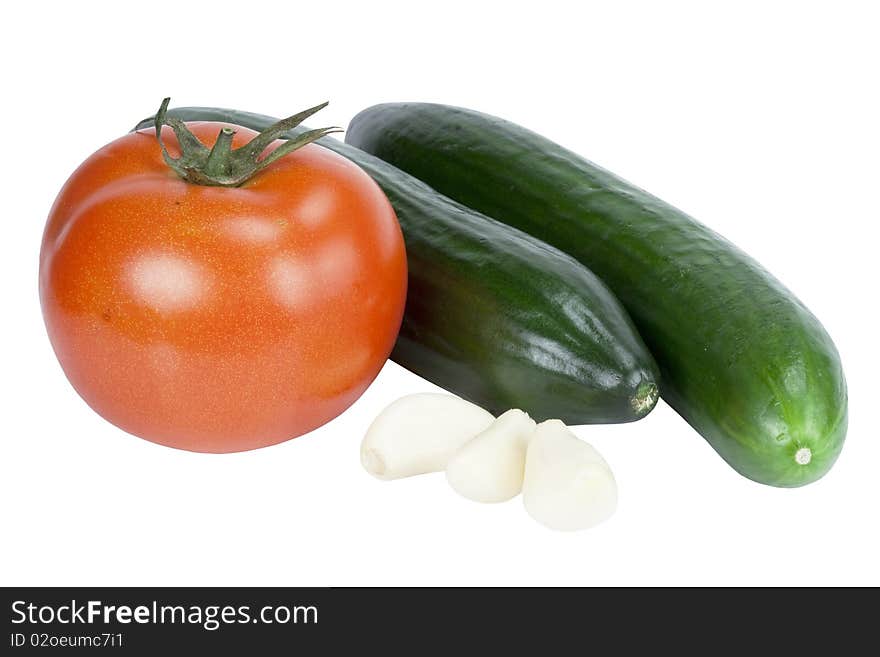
<point>741,359</point>
<point>495,315</point>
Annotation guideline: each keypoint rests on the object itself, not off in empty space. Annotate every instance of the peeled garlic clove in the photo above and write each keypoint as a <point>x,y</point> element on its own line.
<point>489,468</point>
<point>419,433</point>
<point>567,484</point>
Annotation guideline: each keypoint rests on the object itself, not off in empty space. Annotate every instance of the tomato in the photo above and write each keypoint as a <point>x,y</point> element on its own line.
<point>220,319</point>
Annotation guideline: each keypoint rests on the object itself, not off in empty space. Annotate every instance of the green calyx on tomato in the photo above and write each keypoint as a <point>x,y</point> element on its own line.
<point>223,166</point>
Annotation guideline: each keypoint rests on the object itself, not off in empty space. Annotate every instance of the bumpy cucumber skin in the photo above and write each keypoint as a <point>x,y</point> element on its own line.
<point>495,315</point>
<point>741,359</point>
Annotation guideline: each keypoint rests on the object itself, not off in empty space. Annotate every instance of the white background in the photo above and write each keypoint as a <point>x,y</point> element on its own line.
<point>760,119</point>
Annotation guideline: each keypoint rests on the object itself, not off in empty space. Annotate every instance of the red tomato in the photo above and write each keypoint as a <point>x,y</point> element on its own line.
<point>219,319</point>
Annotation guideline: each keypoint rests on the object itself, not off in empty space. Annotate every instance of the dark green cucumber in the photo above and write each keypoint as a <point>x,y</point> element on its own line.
<point>741,359</point>
<point>495,315</point>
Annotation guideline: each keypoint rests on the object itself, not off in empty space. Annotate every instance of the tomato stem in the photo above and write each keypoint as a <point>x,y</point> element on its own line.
<point>223,166</point>
<point>217,163</point>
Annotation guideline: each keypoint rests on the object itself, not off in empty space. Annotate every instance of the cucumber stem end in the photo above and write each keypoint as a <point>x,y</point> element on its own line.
<point>803,456</point>
<point>645,398</point>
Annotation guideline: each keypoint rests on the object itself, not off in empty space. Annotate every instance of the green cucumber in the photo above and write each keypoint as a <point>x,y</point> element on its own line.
<point>741,359</point>
<point>495,315</point>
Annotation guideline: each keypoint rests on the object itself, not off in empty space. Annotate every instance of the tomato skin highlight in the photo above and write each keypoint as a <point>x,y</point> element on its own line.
<point>219,319</point>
